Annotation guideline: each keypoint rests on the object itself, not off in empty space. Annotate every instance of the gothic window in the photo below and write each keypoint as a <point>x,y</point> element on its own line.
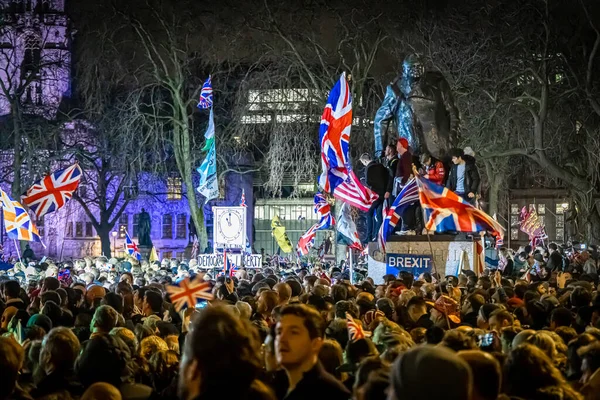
<point>167,226</point>
<point>174,189</point>
<point>181,231</point>
<point>32,56</point>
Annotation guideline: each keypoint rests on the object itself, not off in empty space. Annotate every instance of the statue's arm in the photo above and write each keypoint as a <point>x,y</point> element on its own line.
<point>383,117</point>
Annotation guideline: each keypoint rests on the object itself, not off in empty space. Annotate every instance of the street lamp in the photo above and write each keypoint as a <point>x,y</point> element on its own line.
<point>114,235</point>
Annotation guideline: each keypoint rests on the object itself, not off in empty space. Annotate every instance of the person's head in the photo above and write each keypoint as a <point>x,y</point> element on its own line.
<point>11,361</point>
<point>103,358</point>
<point>105,318</point>
<point>426,159</point>
<point>267,301</point>
<point>298,336</point>
<point>12,289</point>
<point>60,349</point>
<point>487,374</point>
<point>49,283</point>
<point>472,304</point>
<point>402,146</point>
<point>560,316</point>
<point>284,291</point>
<point>128,337</point>
<point>114,300</point>
<point>526,370</point>
<point>102,391</point>
<point>500,319</point>
<point>416,308</point>
<point>457,156</point>
<point>410,372</point>
<point>152,303</point>
<point>219,349</point>
<point>390,151</point>
<point>331,357</point>
<point>151,345</point>
<point>483,317</point>
<point>365,159</point>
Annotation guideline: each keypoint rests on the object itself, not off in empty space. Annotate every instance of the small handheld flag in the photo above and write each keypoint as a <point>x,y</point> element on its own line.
<point>132,248</point>
<point>189,292</point>
<point>355,330</point>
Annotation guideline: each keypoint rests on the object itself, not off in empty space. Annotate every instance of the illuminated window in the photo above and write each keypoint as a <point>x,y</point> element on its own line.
<point>560,234</point>
<point>514,208</point>
<point>181,231</point>
<point>541,209</point>
<point>514,234</point>
<point>167,226</point>
<point>173,188</point>
<point>561,208</point>
<point>123,224</point>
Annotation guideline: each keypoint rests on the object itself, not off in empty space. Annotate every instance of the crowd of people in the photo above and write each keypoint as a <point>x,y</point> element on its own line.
<point>106,329</point>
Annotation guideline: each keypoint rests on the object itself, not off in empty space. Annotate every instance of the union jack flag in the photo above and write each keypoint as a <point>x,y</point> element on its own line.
<point>307,241</point>
<point>206,95</point>
<point>229,268</point>
<point>132,248</point>
<point>189,292</point>
<point>446,211</point>
<point>53,191</point>
<point>355,330</point>
<point>17,222</point>
<point>391,215</point>
<point>323,210</point>
<point>337,177</point>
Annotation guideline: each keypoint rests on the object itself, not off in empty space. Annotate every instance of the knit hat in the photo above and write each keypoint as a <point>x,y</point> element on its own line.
<point>413,370</point>
<point>403,142</point>
<point>40,320</point>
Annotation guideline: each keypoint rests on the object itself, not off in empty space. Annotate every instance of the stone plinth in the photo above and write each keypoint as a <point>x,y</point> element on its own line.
<point>449,254</point>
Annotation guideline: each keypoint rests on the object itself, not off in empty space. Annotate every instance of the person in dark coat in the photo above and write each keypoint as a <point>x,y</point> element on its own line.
<point>376,179</point>
<point>464,177</point>
<point>299,336</point>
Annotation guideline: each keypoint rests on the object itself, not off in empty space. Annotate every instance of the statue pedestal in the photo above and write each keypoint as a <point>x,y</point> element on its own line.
<point>145,251</point>
<point>451,253</point>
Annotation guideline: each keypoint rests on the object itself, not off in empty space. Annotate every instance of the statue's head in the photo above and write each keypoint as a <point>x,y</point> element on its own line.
<point>413,66</point>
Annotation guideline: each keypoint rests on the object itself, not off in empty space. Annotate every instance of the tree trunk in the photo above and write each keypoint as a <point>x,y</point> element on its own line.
<point>104,233</point>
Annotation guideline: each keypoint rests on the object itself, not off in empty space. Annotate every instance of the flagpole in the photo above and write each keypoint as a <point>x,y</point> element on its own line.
<point>18,253</point>
<point>351,267</point>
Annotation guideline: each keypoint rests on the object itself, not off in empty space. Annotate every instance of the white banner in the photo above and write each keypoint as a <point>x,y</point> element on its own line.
<point>216,260</point>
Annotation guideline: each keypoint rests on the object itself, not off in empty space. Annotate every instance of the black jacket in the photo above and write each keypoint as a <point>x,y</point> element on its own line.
<point>471,178</point>
<point>376,177</point>
<point>316,383</point>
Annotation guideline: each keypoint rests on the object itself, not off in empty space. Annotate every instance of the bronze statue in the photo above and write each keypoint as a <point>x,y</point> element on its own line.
<point>424,110</point>
<point>144,229</point>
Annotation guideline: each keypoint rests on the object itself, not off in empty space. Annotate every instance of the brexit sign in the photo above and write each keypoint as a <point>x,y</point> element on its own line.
<point>414,263</point>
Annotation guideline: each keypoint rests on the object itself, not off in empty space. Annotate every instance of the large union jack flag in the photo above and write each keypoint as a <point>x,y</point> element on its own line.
<point>53,191</point>
<point>132,248</point>
<point>337,177</point>
<point>17,222</point>
<point>445,211</point>
<point>206,95</point>
<point>391,215</point>
<point>189,292</point>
